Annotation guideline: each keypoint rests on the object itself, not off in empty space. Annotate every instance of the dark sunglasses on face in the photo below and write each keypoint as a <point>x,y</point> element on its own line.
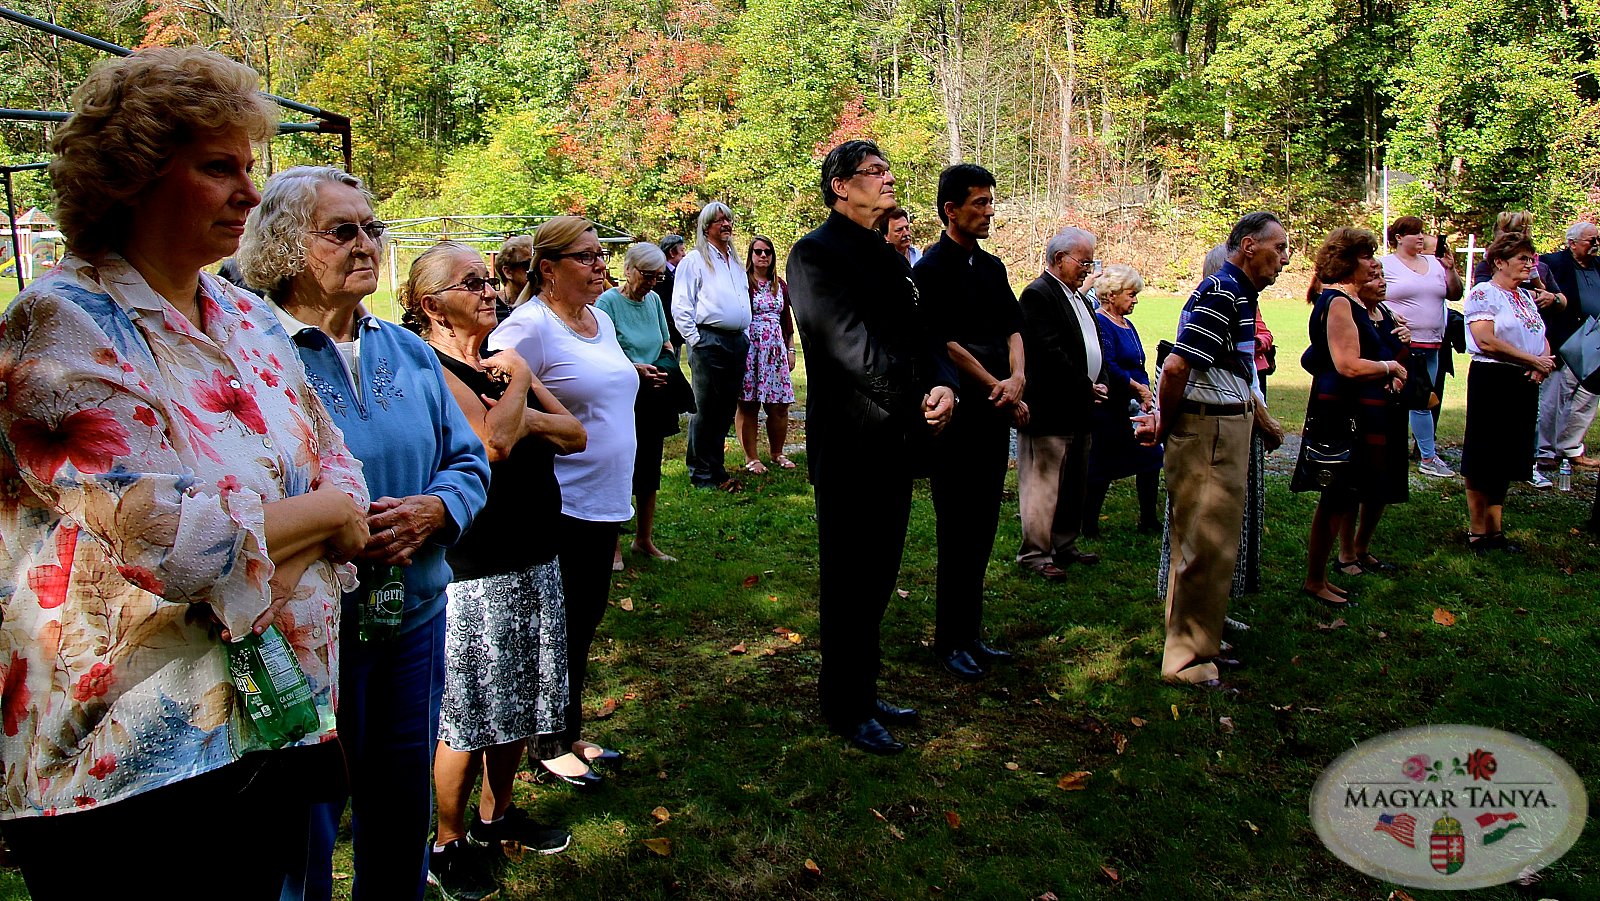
<point>345,232</point>
<point>475,285</point>
<point>761,252</point>
<point>521,266</point>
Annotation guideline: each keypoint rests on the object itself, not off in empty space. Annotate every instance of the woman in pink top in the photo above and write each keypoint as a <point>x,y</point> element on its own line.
<point>1417,286</point>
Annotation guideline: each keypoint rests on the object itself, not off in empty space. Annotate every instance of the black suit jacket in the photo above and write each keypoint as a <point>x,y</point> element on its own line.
<point>869,356</point>
<point>1060,396</point>
<point>1562,323</point>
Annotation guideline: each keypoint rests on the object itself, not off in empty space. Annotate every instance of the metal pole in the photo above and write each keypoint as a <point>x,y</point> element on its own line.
<point>16,242</point>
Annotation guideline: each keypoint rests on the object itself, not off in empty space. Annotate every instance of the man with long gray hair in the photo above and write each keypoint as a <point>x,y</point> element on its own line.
<point>711,307</point>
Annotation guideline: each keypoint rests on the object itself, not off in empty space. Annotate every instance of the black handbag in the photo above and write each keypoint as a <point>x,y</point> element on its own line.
<point>1327,448</point>
<point>1418,391</point>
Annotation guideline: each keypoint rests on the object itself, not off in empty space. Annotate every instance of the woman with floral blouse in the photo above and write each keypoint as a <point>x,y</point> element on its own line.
<point>169,482</point>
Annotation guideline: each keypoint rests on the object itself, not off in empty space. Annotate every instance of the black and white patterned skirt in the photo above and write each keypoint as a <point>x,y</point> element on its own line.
<point>505,651</point>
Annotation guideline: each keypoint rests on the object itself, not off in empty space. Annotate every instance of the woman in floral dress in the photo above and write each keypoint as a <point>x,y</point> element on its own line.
<point>771,359</point>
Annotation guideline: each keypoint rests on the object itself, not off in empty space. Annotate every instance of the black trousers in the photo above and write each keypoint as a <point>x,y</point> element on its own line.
<point>968,479</point>
<point>586,549</point>
<point>717,367</point>
<point>862,514</point>
<point>1094,499</point>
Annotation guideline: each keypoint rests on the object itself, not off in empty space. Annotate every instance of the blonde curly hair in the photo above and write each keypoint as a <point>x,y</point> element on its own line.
<point>273,250</point>
<point>128,119</point>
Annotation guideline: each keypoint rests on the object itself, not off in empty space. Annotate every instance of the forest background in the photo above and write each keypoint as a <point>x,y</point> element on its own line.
<point>1153,122</point>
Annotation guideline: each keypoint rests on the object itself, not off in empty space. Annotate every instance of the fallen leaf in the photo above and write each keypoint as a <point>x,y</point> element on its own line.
<point>1382,635</point>
<point>795,637</point>
<point>879,815</point>
<point>1398,895</point>
<point>738,648</point>
<point>340,877</point>
<point>1138,722</point>
<point>524,776</point>
<point>1174,711</point>
<point>1295,660</point>
<point>1110,873</point>
<point>1047,896</point>
<point>626,604</point>
<point>661,774</point>
<point>768,652</point>
<point>1329,627</point>
<point>659,846</point>
<point>1121,742</point>
<point>661,814</point>
<point>752,580</point>
<point>1226,722</point>
<point>607,707</point>
<point>902,592</point>
<point>1443,617</point>
<point>1012,765</point>
<point>773,598</point>
<point>1074,782</point>
<point>1521,611</point>
<point>896,833</point>
<point>780,630</point>
<point>630,696</point>
<point>812,868</point>
<point>1254,829</point>
<point>513,851</point>
<point>953,818</point>
<point>1284,709</point>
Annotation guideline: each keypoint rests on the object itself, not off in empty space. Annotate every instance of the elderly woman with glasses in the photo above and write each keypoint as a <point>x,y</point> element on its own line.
<point>163,457</point>
<point>641,324</point>
<point>769,361</point>
<point>315,246</point>
<point>571,347</point>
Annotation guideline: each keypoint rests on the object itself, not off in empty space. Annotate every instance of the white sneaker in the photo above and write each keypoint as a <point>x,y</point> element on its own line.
<point>1433,466</point>
<point>1538,480</point>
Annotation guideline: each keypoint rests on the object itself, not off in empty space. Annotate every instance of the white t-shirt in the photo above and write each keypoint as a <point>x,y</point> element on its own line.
<point>597,383</point>
<point>1419,298</point>
<point>1515,317</point>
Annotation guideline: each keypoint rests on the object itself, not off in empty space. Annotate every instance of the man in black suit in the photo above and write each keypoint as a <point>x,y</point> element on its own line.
<point>972,309</point>
<point>878,388</point>
<point>1066,377</point>
<point>1566,408</point>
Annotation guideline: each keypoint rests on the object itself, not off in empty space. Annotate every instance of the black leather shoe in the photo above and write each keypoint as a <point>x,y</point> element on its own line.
<point>888,713</point>
<point>1083,558</point>
<point>870,736</point>
<point>986,655</point>
<point>585,782</point>
<point>960,664</point>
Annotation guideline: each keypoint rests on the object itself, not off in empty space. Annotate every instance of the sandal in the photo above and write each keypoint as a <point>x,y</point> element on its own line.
<point>1349,568</point>
<point>1373,564</point>
<point>783,462</point>
<point>755,467</point>
<point>1345,604</point>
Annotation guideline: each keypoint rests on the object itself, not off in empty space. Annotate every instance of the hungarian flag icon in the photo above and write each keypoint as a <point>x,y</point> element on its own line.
<point>1447,846</point>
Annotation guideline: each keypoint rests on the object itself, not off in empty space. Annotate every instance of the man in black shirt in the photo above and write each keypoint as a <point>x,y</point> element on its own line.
<point>972,309</point>
<point>878,388</point>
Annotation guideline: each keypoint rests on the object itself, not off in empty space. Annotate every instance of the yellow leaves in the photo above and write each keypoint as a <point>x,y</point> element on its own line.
<point>812,868</point>
<point>795,637</point>
<point>1174,711</point>
<point>1138,722</point>
<point>626,604</point>
<point>661,847</point>
<point>1443,617</point>
<point>1012,765</point>
<point>1120,741</point>
<point>1074,781</point>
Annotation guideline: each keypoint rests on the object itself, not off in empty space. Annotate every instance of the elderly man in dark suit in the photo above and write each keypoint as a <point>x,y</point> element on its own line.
<point>1066,377</point>
<point>1566,408</point>
<point>878,388</point>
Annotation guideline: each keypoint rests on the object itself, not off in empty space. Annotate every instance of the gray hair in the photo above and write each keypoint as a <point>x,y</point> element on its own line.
<point>1215,257</point>
<point>709,212</point>
<point>1575,230</point>
<point>273,250</point>
<point>669,242</point>
<point>1116,277</point>
<point>642,257</point>
<point>1066,241</point>
<point>1250,225</point>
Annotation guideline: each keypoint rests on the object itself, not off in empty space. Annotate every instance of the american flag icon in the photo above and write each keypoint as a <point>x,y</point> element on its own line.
<point>1401,827</point>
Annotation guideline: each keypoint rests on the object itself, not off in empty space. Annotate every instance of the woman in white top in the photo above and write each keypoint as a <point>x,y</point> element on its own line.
<point>1510,357</point>
<point>1417,286</point>
<point>572,349</point>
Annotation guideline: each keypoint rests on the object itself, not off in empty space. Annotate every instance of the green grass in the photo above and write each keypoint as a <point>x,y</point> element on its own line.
<point>729,744</point>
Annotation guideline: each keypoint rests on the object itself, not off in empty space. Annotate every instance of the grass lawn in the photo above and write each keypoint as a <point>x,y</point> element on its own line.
<point>1189,796</point>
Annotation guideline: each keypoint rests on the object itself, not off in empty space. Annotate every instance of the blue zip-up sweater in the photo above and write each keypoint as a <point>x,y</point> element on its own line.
<point>410,436</point>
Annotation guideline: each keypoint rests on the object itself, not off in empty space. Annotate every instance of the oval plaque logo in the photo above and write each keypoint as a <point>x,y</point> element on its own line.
<point>1449,807</point>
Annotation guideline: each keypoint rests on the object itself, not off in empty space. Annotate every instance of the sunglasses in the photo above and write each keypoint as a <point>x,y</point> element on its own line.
<point>345,232</point>
<point>474,284</point>
<point>516,267</point>
<point>761,252</point>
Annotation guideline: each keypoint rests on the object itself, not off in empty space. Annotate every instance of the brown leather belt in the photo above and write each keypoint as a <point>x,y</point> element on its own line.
<point>1196,407</point>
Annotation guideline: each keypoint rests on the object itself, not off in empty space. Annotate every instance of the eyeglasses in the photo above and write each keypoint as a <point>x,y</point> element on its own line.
<point>521,266</point>
<point>345,232</point>
<point>583,257</point>
<point>654,275</point>
<point>761,252</point>
<point>1082,264</point>
<point>474,285</point>
<point>874,172</point>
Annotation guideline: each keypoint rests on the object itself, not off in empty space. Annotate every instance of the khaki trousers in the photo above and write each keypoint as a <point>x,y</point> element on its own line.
<point>1207,459</point>
<point>1052,475</point>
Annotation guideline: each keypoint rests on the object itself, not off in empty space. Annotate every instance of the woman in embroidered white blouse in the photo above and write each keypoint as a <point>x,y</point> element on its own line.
<point>168,481</point>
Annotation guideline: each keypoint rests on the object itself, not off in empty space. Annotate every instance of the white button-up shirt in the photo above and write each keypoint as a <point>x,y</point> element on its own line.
<point>714,293</point>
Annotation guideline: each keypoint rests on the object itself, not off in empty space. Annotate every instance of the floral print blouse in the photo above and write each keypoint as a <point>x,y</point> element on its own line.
<point>139,453</point>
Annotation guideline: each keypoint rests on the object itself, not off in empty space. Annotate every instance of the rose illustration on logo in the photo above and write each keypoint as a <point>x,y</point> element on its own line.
<point>1481,765</point>
<point>1416,767</point>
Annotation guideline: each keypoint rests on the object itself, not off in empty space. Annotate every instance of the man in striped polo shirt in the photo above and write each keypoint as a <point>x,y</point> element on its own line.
<point>1205,416</point>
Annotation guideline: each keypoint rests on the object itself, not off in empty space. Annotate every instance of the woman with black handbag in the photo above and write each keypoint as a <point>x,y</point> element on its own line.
<point>1350,450</point>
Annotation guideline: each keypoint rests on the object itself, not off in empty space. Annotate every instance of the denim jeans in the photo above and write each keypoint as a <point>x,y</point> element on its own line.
<point>1422,426</point>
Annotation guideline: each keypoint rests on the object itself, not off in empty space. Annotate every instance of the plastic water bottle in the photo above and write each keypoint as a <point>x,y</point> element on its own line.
<point>272,687</point>
<point>385,602</point>
<point>1564,475</point>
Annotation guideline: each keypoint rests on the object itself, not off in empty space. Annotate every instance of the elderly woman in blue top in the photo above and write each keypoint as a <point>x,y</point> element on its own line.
<point>314,245</point>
